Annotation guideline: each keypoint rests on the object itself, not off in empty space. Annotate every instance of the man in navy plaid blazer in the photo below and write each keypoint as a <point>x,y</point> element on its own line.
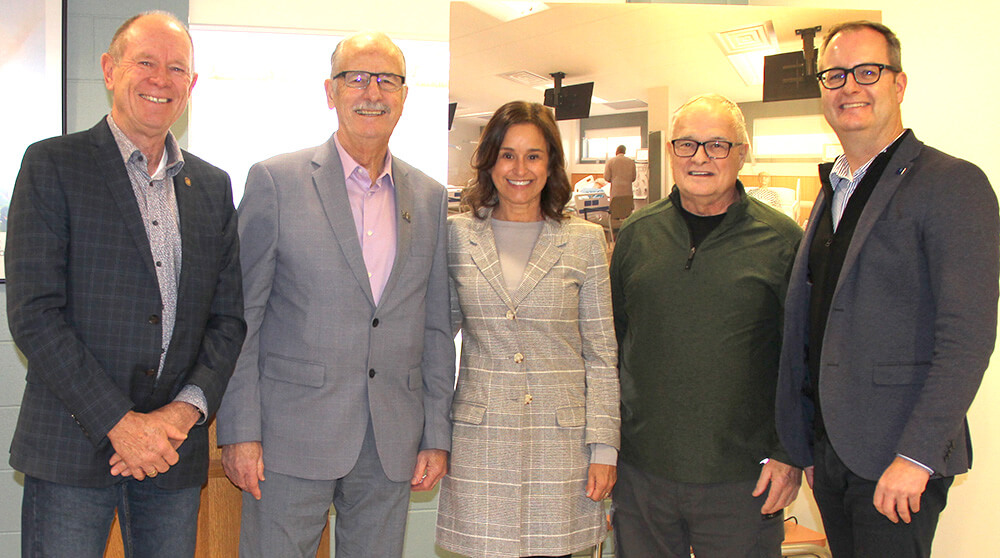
<point>124,294</point>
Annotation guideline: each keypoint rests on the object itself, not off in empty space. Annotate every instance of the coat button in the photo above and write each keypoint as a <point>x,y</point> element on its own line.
<point>371,373</point>
<point>154,319</point>
<point>528,399</point>
<point>375,322</point>
<point>510,314</point>
<point>518,358</point>
<point>150,372</point>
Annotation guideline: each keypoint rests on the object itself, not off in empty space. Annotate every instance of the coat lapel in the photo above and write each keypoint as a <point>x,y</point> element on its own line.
<point>548,249</point>
<point>187,208</point>
<point>109,158</point>
<point>404,226</point>
<point>889,182</point>
<point>328,179</point>
<point>483,249</point>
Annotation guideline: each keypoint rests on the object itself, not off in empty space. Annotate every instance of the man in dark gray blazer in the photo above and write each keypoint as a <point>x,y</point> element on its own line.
<point>343,388</point>
<point>124,294</point>
<point>891,312</point>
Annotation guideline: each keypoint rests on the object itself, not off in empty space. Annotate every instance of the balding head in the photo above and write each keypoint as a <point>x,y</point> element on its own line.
<point>713,100</point>
<point>359,43</point>
<point>119,41</point>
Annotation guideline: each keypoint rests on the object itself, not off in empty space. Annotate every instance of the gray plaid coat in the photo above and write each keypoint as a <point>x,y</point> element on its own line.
<point>538,382</point>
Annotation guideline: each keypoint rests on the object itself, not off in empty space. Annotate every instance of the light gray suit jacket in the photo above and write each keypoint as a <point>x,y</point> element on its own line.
<point>320,357</point>
<point>911,325</point>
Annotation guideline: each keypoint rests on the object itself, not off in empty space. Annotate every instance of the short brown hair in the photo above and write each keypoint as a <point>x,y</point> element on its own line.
<point>895,49</point>
<point>482,193</point>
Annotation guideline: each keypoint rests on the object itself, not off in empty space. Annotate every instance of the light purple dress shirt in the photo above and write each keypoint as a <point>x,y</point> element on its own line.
<point>373,204</point>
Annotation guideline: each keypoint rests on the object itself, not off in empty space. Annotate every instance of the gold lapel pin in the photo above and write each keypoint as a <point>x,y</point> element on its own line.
<point>187,180</point>
<point>406,216</point>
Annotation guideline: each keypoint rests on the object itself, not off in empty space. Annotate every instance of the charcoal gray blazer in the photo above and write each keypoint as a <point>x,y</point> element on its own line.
<point>912,321</point>
<point>84,306</point>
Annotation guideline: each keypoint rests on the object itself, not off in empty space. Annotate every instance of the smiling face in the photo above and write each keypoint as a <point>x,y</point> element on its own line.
<point>151,80</point>
<point>367,116</point>
<point>867,113</point>
<point>707,186</point>
<point>520,173</point>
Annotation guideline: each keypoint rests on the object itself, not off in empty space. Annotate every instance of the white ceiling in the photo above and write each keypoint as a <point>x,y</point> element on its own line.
<point>626,49</point>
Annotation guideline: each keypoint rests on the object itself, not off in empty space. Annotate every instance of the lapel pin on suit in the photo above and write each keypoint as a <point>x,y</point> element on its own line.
<point>187,180</point>
<point>406,216</point>
<point>900,171</point>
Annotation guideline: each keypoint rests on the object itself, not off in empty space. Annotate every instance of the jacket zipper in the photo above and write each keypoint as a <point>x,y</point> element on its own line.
<point>690,260</point>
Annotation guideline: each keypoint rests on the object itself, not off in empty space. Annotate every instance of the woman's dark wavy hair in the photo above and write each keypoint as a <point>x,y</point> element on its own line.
<point>481,192</point>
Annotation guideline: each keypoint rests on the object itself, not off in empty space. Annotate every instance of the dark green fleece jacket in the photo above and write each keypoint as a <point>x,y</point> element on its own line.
<point>699,336</point>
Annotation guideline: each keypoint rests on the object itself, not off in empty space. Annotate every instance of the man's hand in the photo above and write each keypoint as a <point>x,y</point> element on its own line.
<point>244,465</point>
<point>810,472</point>
<point>898,491</point>
<point>784,480</point>
<point>432,465</point>
<point>146,443</point>
<point>600,480</point>
<point>175,419</point>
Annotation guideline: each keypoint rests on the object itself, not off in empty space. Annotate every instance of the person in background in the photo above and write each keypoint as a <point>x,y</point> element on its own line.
<point>698,284</point>
<point>891,314</point>
<point>341,394</point>
<point>124,294</point>
<point>620,172</point>
<point>536,409</point>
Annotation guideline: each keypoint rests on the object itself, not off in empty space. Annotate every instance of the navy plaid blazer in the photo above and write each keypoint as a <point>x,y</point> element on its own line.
<point>84,306</point>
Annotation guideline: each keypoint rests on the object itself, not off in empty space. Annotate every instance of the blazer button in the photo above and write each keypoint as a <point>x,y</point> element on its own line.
<point>150,372</point>
<point>510,314</point>
<point>154,319</point>
<point>371,373</point>
<point>518,358</point>
<point>375,322</point>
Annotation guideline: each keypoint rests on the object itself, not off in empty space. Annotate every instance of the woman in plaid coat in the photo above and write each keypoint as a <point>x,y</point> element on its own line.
<point>536,410</point>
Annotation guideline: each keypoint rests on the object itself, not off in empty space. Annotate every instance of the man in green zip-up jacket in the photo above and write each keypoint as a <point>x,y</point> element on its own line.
<point>698,284</point>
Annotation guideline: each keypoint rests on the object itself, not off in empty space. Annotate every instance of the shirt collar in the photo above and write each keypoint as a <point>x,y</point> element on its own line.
<point>841,171</point>
<point>352,167</point>
<point>171,159</point>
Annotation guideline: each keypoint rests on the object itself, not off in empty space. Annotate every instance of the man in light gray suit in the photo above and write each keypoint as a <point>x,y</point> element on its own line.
<point>342,391</point>
<point>891,312</point>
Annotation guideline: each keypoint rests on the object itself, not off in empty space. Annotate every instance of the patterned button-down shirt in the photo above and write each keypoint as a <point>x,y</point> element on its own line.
<point>157,203</point>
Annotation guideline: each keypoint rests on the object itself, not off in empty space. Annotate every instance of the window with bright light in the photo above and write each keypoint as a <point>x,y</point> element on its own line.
<point>260,93</point>
<point>599,144</point>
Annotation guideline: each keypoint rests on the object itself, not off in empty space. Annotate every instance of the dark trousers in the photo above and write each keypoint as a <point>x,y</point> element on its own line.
<point>658,518</point>
<point>855,528</point>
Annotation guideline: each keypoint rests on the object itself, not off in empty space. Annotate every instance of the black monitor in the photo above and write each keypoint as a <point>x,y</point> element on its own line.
<point>786,78</point>
<point>451,114</point>
<point>574,101</point>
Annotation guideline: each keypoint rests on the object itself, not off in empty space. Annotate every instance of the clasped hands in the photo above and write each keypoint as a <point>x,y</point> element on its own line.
<point>146,443</point>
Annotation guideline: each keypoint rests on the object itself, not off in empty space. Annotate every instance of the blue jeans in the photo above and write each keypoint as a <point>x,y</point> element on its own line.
<point>59,521</point>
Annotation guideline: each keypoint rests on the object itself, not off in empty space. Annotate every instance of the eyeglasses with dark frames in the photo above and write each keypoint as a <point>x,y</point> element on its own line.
<point>387,82</point>
<point>715,149</point>
<point>864,74</point>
